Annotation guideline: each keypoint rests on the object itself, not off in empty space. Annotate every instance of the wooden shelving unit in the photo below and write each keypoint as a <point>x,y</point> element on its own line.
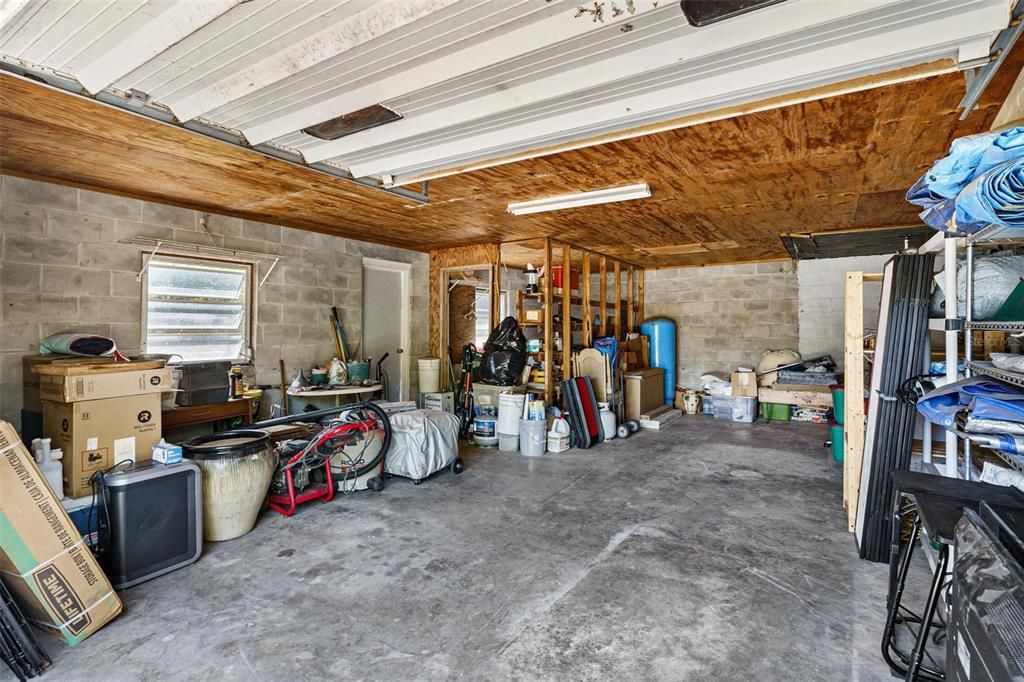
<point>614,316</point>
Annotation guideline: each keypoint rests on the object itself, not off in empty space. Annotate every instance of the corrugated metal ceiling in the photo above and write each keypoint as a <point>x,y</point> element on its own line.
<point>473,79</point>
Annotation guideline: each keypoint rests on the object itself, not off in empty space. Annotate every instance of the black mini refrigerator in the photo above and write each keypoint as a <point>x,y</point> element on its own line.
<point>155,520</point>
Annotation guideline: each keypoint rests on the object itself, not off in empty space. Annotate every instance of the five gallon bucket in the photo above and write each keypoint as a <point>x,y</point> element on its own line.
<point>484,432</point>
<point>533,437</point>
<point>510,411</point>
<point>838,402</point>
<point>838,442</point>
<point>430,375</point>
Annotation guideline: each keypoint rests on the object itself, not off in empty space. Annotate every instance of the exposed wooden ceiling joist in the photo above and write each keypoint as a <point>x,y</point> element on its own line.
<point>840,162</point>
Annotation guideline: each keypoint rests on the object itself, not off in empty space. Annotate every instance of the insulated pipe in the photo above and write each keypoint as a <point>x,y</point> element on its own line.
<point>952,342</point>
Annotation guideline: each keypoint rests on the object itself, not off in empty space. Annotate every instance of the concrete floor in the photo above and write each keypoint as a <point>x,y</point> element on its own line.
<point>706,551</point>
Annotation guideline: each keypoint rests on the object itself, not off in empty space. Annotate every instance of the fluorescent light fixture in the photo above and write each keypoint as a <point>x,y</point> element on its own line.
<point>600,196</point>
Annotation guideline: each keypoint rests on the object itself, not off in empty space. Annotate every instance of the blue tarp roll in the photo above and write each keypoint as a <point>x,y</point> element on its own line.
<point>987,399</point>
<point>979,183</point>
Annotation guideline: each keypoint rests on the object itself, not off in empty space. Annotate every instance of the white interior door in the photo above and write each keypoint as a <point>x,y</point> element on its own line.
<point>386,321</point>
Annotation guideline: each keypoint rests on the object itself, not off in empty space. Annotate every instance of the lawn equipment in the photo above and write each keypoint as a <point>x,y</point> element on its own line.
<point>346,454</point>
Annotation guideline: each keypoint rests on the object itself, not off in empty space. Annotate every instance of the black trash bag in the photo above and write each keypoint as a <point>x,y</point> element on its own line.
<point>504,355</point>
<point>506,336</point>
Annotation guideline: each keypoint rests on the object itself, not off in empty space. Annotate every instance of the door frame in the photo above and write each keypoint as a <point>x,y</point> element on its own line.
<point>444,275</point>
<point>405,270</point>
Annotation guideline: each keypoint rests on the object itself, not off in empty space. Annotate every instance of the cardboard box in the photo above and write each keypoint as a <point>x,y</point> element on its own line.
<point>645,391</point>
<point>45,562</point>
<point>744,384</point>
<point>30,380</point>
<point>635,353</point>
<point>96,434</point>
<point>533,315</point>
<point>74,388</point>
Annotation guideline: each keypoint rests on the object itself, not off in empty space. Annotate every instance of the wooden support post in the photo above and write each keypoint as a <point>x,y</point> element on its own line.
<point>588,318</point>
<point>630,302</point>
<point>853,416</point>
<point>496,294</point>
<point>603,309</point>
<point>618,301</point>
<point>640,277</point>
<point>566,312</point>
<point>549,356</point>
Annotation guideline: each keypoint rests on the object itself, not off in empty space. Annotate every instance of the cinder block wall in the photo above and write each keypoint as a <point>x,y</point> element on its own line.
<point>62,268</point>
<point>726,315</point>
<point>823,302</point>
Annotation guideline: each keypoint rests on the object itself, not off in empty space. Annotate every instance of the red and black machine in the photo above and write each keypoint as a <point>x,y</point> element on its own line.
<point>346,454</point>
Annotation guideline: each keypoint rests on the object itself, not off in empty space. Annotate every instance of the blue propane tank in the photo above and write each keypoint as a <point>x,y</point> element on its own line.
<point>661,333</point>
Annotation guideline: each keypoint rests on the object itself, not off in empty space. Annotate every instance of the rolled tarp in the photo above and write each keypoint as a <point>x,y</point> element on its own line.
<point>77,344</point>
<point>968,158</point>
<point>985,398</point>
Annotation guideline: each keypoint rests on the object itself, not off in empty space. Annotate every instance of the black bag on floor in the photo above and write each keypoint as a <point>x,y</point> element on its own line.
<point>504,355</point>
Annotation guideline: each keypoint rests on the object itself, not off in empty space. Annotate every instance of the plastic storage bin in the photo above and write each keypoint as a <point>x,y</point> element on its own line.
<point>736,409</point>
<point>775,412</point>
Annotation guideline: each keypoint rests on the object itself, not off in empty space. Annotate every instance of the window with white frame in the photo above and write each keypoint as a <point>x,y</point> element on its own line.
<point>198,308</point>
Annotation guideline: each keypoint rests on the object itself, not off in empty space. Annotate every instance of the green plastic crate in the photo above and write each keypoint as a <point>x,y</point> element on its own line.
<point>775,412</point>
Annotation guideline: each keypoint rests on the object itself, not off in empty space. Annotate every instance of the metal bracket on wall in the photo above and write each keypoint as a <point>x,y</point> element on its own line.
<point>979,78</point>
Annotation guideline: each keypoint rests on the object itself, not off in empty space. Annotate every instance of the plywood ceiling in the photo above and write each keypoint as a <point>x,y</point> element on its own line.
<point>469,79</point>
<point>721,191</point>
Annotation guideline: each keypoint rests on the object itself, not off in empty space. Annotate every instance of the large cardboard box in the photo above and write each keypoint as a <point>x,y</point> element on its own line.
<point>74,388</point>
<point>744,384</point>
<point>96,434</point>
<point>45,562</point>
<point>645,391</point>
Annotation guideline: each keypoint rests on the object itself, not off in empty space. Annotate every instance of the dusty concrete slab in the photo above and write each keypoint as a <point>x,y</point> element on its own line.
<point>706,551</point>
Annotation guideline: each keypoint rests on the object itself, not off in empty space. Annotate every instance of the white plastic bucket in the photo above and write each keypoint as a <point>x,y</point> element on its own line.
<point>430,375</point>
<point>510,410</point>
<point>533,437</point>
<point>508,443</point>
<point>483,431</point>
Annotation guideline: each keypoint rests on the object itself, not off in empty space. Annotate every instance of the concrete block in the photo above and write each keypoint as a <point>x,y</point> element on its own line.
<point>25,249</point>
<point>335,279</point>
<point>22,277</point>
<point>125,285</point>
<point>261,231</point>
<point>124,229</point>
<point>19,337</point>
<point>223,226</point>
<point>26,307</point>
<point>109,205</point>
<point>280,293</point>
<point>169,216</point>
<point>109,309</point>
<point>123,257</point>
<point>75,281</point>
<point>65,326</point>
<point>268,313</point>
<point>34,193</point>
<point>21,219</point>
<point>127,335</point>
<point>78,227</point>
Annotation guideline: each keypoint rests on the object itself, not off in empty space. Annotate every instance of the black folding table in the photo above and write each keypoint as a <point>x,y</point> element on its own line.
<point>936,503</point>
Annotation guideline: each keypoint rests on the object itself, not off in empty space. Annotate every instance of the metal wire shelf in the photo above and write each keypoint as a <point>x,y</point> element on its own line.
<point>990,370</point>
